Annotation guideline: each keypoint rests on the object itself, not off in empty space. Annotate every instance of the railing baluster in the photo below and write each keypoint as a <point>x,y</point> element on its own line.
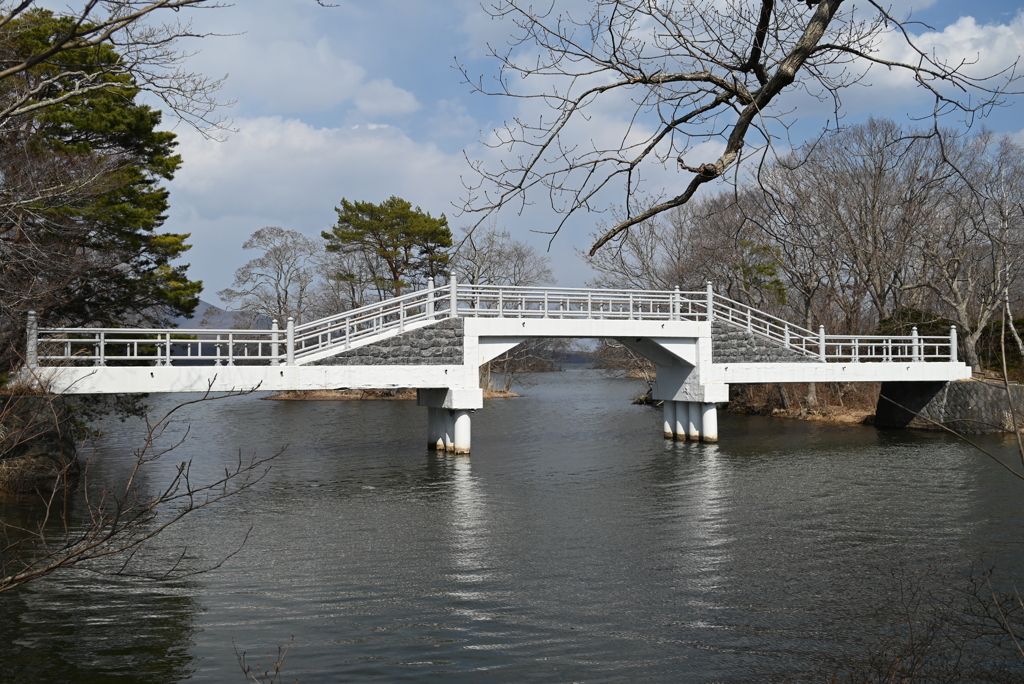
<point>429,310</point>
<point>290,341</point>
<point>275,335</point>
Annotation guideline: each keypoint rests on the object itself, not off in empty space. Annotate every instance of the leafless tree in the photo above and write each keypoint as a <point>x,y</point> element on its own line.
<point>146,35</point>
<point>710,239</point>
<point>851,208</point>
<point>118,522</point>
<point>513,367</point>
<point>278,284</point>
<point>682,72</point>
<point>974,249</point>
<point>490,256</point>
<point>878,219</point>
<point>344,280</point>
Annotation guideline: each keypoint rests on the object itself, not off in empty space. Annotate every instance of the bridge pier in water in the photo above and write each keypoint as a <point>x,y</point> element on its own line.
<point>449,417</point>
<point>690,421</point>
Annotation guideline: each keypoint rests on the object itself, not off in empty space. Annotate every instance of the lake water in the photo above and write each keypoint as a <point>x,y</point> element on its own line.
<point>574,545</point>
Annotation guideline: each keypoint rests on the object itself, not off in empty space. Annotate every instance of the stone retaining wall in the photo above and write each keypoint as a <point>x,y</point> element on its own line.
<point>731,344</point>
<point>968,406</point>
<point>440,344</point>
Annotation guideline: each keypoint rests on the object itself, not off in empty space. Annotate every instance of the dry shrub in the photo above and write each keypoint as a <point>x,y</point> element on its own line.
<point>801,399</point>
<point>37,443</point>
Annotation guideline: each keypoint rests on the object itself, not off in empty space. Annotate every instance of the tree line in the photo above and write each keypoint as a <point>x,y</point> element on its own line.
<point>373,252</point>
<point>873,228</point>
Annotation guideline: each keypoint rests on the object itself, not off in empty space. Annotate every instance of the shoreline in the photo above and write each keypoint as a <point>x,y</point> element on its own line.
<point>832,414</point>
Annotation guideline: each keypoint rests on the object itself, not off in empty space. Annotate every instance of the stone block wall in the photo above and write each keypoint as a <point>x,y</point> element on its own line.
<point>440,344</point>
<point>731,344</point>
<point>968,406</point>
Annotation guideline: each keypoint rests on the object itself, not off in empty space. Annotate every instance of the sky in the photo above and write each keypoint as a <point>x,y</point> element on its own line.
<point>363,101</point>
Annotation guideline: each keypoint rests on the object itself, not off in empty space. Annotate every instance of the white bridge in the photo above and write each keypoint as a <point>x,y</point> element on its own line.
<point>436,339</point>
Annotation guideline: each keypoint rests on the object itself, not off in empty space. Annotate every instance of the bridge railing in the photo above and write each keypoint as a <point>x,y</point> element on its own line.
<point>158,346</point>
<point>912,348</point>
<point>499,301</point>
<point>741,315</point>
<point>351,328</point>
<point>124,346</point>
<point>889,348</point>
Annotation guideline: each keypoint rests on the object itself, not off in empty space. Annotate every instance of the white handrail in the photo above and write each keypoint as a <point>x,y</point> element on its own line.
<point>383,319</point>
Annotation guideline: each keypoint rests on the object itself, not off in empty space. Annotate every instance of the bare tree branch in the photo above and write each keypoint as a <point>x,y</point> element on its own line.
<point>685,72</point>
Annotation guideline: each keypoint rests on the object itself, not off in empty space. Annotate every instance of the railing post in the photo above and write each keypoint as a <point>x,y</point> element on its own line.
<point>32,344</point>
<point>914,341</point>
<point>952,344</point>
<point>821,342</point>
<point>101,351</point>
<point>430,297</point>
<point>711,303</point>
<point>675,304</point>
<point>453,296</point>
<point>290,341</point>
<point>786,333</point>
<point>275,346</point>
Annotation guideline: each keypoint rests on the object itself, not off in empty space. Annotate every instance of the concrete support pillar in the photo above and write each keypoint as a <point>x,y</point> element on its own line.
<point>669,427</point>
<point>462,431</point>
<point>449,429</point>
<point>693,427</point>
<point>709,423</point>
<point>682,418</point>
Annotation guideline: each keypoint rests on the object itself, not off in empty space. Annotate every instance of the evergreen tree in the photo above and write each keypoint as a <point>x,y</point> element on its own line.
<point>81,199</point>
<point>401,242</point>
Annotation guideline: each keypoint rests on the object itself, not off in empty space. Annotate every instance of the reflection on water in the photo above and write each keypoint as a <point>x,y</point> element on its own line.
<point>468,522</point>
<point>573,545</point>
<point>78,628</point>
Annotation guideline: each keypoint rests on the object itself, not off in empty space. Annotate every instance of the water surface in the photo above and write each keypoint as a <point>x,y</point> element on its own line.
<point>575,544</point>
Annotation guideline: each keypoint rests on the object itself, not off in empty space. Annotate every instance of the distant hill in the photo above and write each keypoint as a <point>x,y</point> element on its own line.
<point>207,316</point>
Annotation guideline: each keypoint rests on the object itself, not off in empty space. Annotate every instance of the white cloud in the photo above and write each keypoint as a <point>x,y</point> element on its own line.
<point>451,119</point>
<point>296,61</point>
<point>979,50</point>
<point>287,75</point>
<point>383,98</point>
<point>283,172</point>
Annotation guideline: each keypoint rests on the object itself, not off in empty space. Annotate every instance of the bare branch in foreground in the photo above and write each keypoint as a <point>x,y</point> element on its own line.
<point>119,522</point>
